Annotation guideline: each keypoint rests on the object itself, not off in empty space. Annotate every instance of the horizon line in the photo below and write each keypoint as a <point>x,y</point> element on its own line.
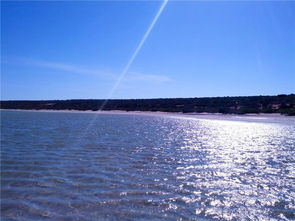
<point>102,99</point>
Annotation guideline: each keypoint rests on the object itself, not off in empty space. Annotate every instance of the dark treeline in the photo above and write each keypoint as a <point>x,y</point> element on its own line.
<point>284,104</point>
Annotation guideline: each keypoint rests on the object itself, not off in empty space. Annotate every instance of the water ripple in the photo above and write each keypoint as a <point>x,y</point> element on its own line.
<point>137,167</point>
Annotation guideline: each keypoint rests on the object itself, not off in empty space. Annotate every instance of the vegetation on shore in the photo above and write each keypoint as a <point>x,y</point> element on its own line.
<point>283,104</point>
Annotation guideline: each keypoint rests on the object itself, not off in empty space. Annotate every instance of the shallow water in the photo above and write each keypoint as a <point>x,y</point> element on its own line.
<point>78,166</point>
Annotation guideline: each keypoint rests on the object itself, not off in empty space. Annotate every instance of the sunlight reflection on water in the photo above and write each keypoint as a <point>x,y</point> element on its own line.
<point>240,167</point>
<point>146,167</point>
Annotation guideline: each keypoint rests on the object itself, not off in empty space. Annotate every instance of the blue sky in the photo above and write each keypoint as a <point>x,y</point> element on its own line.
<point>76,49</point>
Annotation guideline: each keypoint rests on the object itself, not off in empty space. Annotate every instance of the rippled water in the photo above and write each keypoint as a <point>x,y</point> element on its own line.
<point>78,166</point>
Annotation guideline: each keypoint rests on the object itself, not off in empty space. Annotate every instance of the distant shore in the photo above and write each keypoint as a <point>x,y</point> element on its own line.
<point>122,112</point>
<point>280,104</point>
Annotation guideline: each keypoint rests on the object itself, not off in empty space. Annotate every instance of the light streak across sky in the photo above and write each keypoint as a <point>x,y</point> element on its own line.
<point>125,70</point>
<point>135,53</point>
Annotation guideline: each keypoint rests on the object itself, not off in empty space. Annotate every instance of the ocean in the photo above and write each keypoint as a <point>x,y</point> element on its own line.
<point>112,166</point>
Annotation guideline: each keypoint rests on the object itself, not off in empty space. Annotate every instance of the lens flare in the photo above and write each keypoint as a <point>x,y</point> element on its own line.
<point>135,53</point>
<point>127,66</point>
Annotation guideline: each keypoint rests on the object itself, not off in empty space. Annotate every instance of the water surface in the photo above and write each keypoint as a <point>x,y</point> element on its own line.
<point>79,166</point>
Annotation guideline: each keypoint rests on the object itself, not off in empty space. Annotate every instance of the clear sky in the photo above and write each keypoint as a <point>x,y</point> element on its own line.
<point>76,49</point>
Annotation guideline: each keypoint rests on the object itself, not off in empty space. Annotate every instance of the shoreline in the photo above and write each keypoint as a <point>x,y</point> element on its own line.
<point>193,114</point>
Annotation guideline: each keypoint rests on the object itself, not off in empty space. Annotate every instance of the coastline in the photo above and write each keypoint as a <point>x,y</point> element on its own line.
<point>122,112</point>
<point>242,106</point>
<point>237,118</point>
